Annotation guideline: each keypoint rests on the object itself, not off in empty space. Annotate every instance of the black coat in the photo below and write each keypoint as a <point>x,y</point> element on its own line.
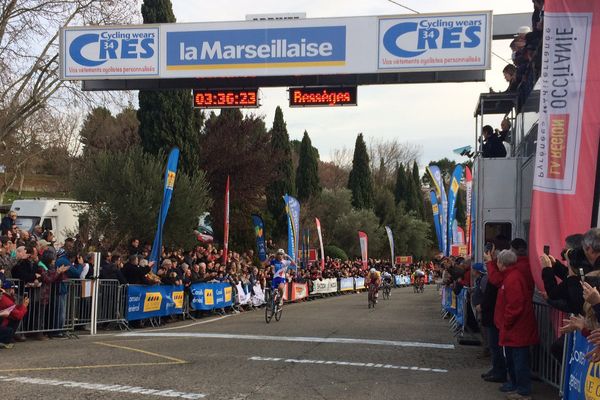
<point>566,295</point>
<point>493,147</point>
<point>135,275</point>
<point>488,305</point>
<point>111,271</point>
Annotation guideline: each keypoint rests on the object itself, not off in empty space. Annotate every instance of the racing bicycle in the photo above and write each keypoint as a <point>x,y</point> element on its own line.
<point>272,307</point>
<point>387,289</point>
<point>372,297</point>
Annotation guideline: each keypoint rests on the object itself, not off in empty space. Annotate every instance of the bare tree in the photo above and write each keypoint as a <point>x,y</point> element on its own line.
<point>342,158</point>
<point>384,155</point>
<point>29,54</point>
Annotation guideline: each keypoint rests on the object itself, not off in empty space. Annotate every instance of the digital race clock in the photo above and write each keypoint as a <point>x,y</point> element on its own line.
<point>225,98</point>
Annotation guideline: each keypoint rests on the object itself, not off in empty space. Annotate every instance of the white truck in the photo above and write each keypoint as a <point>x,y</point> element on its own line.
<point>59,216</point>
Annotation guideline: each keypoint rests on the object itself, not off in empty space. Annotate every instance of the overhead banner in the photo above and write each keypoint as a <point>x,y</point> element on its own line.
<point>352,45</point>
<point>469,192</point>
<point>210,296</point>
<point>364,243</point>
<point>452,198</point>
<point>321,243</point>
<point>391,240</point>
<point>569,124</point>
<point>153,301</point>
<point>427,42</point>
<point>226,222</point>
<point>259,231</point>
<point>170,175</point>
<point>292,208</point>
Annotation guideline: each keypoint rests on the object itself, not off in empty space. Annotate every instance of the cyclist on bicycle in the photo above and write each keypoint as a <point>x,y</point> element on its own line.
<point>373,278</point>
<point>419,278</point>
<point>280,264</point>
<point>386,277</point>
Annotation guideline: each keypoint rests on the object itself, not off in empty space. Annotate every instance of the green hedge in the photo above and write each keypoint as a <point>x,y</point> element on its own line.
<point>335,252</point>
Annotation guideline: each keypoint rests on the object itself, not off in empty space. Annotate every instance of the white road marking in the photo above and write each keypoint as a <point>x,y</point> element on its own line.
<point>103,387</point>
<point>192,324</point>
<point>353,364</point>
<point>308,339</point>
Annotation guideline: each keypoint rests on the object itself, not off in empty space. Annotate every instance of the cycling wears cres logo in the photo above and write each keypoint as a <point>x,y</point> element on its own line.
<point>429,38</point>
<point>110,46</point>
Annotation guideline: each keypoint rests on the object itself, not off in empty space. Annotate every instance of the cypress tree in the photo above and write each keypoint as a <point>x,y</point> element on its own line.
<point>282,181</point>
<point>307,174</point>
<point>401,188</point>
<point>167,117</point>
<point>420,204</point>
<point>360,182</point>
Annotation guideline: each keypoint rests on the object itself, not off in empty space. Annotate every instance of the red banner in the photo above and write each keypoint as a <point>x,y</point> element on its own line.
<point>569,126</point>
<point>364,242</point>
<point>404,260</point>
<point>226,219</point>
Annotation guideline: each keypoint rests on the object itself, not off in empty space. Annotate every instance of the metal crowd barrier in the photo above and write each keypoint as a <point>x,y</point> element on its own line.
<point>543,364</point>
<point>67,305</point>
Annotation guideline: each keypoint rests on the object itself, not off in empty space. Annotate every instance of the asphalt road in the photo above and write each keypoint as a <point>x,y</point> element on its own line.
<point>327,349</point>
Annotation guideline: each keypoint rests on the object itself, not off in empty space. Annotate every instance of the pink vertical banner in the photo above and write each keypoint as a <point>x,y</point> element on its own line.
<point>226,229</point>
<point>364,242</point>
<point>469,192</point>
<point>321,243</point>
<point>568,129</point>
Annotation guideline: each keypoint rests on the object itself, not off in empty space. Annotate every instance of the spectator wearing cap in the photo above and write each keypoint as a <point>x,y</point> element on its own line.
<point>515,319</point>
<point>11,314</point>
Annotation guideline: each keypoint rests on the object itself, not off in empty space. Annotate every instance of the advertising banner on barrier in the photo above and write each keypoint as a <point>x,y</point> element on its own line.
<point>359,283</point>
<point>324,286</point>
<point>398,280</point>
<point>299,291</point>
<point>153,301</point>
<point>208,296</point>
<point>582,379</point>
<point>460,307</point>
<point>346,284</point>
<point>565,169</point>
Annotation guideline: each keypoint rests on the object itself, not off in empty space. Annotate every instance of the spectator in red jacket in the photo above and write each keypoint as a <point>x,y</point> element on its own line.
<point>515,319</point>
<point>10,314</point>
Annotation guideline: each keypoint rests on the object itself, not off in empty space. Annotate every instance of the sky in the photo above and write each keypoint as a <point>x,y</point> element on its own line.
<point>436,117</point>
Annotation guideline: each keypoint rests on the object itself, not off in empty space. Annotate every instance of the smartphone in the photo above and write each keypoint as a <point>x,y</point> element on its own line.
<point>488,247</point>
<point>547,250</point>
<point>581,275</point>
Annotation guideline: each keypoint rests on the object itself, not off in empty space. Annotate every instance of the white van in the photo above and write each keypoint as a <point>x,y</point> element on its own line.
<point>59,216</point>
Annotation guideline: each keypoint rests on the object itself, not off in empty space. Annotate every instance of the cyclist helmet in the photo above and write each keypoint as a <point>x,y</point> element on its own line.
<point>280,251</point>
<point>372,270</point>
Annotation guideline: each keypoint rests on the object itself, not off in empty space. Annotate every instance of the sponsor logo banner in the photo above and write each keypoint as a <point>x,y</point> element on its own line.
<point>110,52</point>
<point>346,284</point>
<point>404,260</point>
<point>153,301</point>
<point>441,42</point>
<point>299,291</point>
<point>582,378</point>
<point>359,283</point>
<point>209,296</point>
<point>324,286</point>
<point>257,48</point>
